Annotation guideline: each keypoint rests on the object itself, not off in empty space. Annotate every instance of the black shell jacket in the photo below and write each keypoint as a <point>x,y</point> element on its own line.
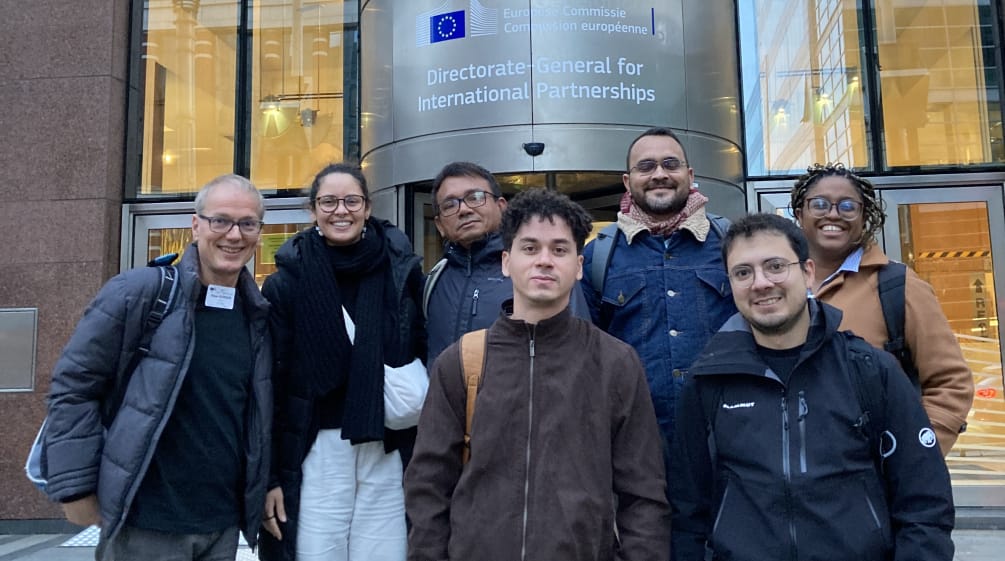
<point>296,419</point>
<point>81,457</point>
<point>795,477</point>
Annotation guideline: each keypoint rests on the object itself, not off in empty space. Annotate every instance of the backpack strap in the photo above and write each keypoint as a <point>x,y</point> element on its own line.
<point>472,361</point>
<point>719,224</point>
<point>603,247</point>
<point>431,278</point>
<point>161,306</point>
<point>892,277</point>
<point>869,383</point>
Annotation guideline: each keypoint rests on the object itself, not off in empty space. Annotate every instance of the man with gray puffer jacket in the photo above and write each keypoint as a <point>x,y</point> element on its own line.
<point>183,464</point>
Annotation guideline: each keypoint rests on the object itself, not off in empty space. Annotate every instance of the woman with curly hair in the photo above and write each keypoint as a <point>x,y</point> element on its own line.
<point>840,214</point>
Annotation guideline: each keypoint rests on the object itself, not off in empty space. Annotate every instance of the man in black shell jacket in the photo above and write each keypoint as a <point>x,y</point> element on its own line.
<point>774,457</point>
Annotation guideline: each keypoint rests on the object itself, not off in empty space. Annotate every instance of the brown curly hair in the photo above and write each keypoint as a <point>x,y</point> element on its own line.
<point>873,209</point>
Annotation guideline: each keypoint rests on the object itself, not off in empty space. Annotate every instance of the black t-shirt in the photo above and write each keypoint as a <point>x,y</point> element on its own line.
<point>195,480</point>
<point>781,361</point>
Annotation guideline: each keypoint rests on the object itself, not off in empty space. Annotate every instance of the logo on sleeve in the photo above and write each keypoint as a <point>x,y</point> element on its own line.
<point>927,437</point>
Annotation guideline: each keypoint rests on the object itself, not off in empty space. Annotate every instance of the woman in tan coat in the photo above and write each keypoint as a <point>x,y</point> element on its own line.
<point>840,215</point>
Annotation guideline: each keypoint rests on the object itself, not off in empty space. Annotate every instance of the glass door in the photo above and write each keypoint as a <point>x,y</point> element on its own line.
<point>953,238</point>
<point>147,235</point>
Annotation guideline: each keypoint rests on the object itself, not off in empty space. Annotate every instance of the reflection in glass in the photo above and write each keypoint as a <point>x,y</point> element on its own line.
<point>939,82</point>
<point>802,84</point>
<point>188,72</point>
<point>298,91</point>
<point>949,246</point>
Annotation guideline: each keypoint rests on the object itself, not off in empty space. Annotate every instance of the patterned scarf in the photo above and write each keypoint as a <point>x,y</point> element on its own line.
<point>695,201</point>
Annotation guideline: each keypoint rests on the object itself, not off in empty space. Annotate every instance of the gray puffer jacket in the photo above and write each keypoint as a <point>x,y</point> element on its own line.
<point>81,455</point>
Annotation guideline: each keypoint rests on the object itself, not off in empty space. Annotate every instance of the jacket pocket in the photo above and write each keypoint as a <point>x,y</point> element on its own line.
<point>624,304</point>
<point>740,526</point>
<point>716,298</point>
<point>841,507</point>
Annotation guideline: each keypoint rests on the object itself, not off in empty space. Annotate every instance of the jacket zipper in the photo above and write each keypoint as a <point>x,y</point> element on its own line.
<point>872,510</point>
<point>787,473</point>
<point>803,410</point>
<point>474,303</point>
<point>530,428</point>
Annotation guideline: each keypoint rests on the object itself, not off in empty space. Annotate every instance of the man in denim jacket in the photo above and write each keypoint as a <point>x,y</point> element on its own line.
<point>666,290</point>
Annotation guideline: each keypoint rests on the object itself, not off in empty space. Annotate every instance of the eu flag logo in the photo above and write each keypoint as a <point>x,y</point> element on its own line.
<point>444,27</point>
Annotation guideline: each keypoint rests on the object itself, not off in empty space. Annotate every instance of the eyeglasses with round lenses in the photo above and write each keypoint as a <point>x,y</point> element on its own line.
<point>646,167</point>
<point>329,203</point>
<point>222,225</point>
<point>474,199</point>
<point>775,270</point>
<point>848,209</point>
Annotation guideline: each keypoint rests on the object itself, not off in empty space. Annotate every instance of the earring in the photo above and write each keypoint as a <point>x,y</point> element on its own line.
<point>363,235</point>
<point>318,230</point>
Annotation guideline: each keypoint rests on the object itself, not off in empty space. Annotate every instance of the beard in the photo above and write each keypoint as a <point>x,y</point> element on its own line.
<point>777,325</point>
<point>654,206</point>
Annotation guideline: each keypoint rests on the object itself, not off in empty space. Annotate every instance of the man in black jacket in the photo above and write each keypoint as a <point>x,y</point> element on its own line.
<point>794,440</point>
<point>465,289</point>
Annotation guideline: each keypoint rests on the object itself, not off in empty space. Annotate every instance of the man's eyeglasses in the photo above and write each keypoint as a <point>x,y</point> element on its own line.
<point>474,199</point>
<point>329,203</point>
<point>646,167</point>
<point>775,270</point>
<point>222,225</point>
<point>848,209</point>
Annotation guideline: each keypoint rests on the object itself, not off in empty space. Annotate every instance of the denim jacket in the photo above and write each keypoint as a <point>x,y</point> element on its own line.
<point>665,296</point>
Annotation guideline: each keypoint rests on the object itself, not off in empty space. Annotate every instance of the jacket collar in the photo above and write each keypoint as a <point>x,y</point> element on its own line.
<point>697,224</point>
<point>188,274</point>
<point>488,248</point>
<point>555,325</point>
<point>733,349</point>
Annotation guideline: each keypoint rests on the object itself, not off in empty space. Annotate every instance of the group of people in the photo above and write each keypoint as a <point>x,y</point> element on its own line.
<point>677,388</point>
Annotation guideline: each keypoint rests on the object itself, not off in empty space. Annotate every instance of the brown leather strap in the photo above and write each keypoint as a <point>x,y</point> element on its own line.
<point>472,358</point>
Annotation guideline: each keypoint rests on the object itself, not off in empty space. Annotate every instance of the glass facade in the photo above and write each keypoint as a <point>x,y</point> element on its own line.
<point>929,97</point>
<point>261,88</point>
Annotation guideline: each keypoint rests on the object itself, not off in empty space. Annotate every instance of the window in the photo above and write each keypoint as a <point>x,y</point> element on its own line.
<point>929,98</point>
<point>269,95</point>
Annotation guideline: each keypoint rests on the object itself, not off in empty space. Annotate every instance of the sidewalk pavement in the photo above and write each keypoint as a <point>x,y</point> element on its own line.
<point>971,545</point>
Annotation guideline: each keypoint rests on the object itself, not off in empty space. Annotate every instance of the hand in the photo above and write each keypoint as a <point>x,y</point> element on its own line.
<point>275,512</point>
<point>83,512</point>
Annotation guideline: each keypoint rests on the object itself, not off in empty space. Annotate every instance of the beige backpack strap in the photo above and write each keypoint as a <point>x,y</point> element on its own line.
<point>472,358</point>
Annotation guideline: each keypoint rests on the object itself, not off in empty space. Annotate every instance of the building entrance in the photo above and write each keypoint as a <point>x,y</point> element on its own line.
<point>953,238</point>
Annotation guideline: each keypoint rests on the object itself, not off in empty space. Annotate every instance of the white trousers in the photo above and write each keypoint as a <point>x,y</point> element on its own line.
<point>352,505</point>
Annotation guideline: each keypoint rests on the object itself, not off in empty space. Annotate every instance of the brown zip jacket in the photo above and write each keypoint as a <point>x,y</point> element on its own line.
<point>565,451</point>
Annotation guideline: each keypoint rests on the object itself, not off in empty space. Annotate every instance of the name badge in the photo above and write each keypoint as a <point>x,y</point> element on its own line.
<point>220,296</point>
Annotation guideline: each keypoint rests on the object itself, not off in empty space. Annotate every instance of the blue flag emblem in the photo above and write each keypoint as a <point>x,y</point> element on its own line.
<point>444,27</point>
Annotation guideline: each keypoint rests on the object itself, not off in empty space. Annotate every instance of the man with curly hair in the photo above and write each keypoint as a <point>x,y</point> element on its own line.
<point>565,456</point>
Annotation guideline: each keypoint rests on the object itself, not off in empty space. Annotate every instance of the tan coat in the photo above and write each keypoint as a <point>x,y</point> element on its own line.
<point>946,381</point>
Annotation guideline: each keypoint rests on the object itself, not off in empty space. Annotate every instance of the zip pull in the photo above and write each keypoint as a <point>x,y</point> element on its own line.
<point>474,303</point>
<point>531,329</point>
<point>803,408</point>
<point>785,414</point>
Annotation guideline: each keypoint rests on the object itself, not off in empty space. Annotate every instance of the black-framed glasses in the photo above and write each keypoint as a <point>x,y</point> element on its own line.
<point>474,199</point>
<point>222,225</point>
<point>329,203</point>
<point>646,167</point>
<point>848,209</point>
<point>775,270</point>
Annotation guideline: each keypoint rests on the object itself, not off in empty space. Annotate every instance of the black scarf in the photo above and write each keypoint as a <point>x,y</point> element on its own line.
<point>325,355</point>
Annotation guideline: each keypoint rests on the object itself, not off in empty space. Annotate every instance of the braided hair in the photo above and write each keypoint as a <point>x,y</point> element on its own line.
<point>873,209</point>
